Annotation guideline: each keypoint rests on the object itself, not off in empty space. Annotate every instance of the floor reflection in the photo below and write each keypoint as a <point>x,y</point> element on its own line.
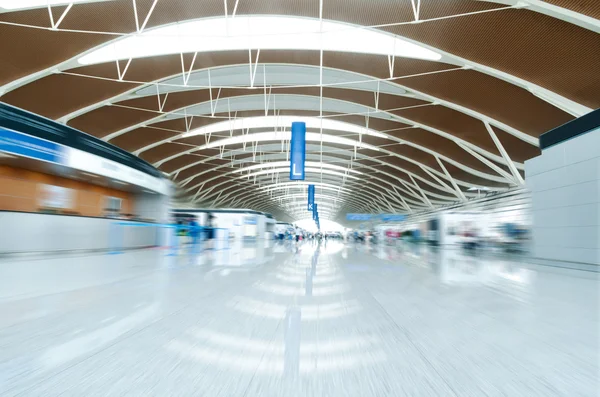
<point>296,319</point>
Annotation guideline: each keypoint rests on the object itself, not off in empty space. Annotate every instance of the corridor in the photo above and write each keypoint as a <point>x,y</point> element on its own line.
<point>280,319</point>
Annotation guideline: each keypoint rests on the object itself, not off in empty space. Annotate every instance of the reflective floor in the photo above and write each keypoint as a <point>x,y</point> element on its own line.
<point>296,320</point>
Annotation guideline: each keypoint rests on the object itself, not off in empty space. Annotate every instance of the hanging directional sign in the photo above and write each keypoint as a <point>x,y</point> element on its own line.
<point>297,151</point>
<point>311,197</point>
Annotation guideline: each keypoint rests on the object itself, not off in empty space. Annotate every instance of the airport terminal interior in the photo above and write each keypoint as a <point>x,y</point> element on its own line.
<point>240,198</point>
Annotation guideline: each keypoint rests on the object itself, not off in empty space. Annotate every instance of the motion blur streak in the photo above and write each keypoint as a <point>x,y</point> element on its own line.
<point>329,318</point>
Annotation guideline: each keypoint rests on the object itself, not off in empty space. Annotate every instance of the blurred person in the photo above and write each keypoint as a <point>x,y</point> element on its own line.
<point>210,230</point>
<point>194,233</point>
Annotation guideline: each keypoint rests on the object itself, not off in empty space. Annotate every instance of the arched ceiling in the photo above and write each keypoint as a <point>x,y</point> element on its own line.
<point>408,103</point>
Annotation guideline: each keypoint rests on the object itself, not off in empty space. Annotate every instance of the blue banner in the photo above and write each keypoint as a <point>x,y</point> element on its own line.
<point>29,146</point>
<point>297,151</point>
<point>315,211</point>
<point>374,217</point>
<point>311,197</point>
<point>392,217</point>
<point>358,217</point>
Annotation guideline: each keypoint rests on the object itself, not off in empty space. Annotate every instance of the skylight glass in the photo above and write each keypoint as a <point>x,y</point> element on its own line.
<point>256,32</point>
<point>283,135</point>
<point>281,122</point>
<point>287,169</point>
<point>298,184</point>
<point>317,164</point>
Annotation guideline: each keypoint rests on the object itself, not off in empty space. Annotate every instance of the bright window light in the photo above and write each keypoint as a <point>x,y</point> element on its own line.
<point>285,135</point>
<point>307,169</point>
<point>292,185</point>
<point>254,32</point>
<point>314,164</point>
<point>21,4</point>
<point>281,122</point>
<point>303,197</point>
<point>326,225</point>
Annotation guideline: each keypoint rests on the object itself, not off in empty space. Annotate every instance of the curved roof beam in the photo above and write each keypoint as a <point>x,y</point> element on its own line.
<point>365,189</point>
<point>377,189</point>
<point>356,163</point>
<point>351,200</point>
<point>334,187</point>
<point>554,11</point>
<point>312,122</point>
<point>134,45</point>
<point>316,137</point>
<point>352,170</point>
<point>409,92</point>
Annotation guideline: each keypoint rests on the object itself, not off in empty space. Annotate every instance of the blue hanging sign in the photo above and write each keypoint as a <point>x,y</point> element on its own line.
<point>311,197</point>
<point>297,151</point>
<point>315,211</point>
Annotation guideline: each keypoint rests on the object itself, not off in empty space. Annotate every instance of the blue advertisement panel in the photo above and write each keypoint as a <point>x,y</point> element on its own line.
<point>392,217</point>
<point>297,151</point>
<point>311,197</point>
<point>29,146</point>
<point>358,217</point>
<point>315,211</point>
<point>373,217</point>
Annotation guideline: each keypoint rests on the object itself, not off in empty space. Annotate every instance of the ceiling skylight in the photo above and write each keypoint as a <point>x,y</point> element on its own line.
<point>285,135</point>
<point>281,122</point>
<point>256,32</point>
<point>287,169</point>
<point>313,164</point>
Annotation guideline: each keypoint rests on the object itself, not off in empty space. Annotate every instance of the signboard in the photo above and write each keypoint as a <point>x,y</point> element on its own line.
<point>358,217</point>
<point>311,197</point>
<point>315,211</point>
<point>376,217</point>
<point>297,151</point>
<point>32,147</point>
<point>88,162</point>
<point>391,217</point>
<point>55,197</point>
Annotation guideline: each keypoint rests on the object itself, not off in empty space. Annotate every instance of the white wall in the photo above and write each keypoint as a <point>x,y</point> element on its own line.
<point>153,206</point>
<point>32,232</point>
<point>565,186</point>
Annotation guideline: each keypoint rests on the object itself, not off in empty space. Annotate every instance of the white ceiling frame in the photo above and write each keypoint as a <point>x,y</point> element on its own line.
<point>403,120</point>
<point>554,11</point>
<point>460,193</point>
<point>374,192</point>
<point>254,197</point>
<point>573,107</point>
<point>410,93</point>
<point>395,177</point>
<point>140,29</point>
<point>516,174</point>
<point>253,138</point>
<point>367,176</point>
<point>493,166</point>
<point>187,180</point>
<point>54,26</point>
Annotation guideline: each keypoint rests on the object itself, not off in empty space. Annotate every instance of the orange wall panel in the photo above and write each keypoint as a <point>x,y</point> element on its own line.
<point>20,190</point>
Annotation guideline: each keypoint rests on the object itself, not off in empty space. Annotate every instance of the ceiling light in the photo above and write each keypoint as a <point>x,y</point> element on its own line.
<point>279,122</point>
<point>252,32</point>
<point>314,164</point>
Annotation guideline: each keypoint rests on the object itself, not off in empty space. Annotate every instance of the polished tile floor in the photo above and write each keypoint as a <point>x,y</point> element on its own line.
<point>296,320</point>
